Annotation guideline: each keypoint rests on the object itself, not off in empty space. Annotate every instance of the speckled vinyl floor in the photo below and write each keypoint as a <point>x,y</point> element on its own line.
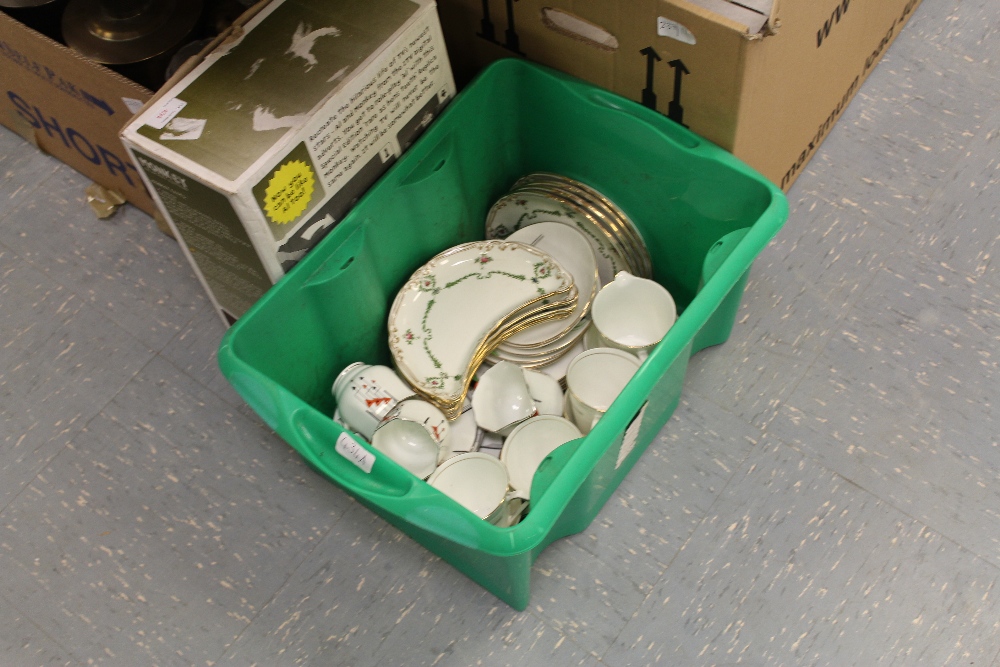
<point>828,492</point>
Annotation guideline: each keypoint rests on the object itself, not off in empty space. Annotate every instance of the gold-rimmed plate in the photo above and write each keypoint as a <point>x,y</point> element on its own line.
<point>620,224</point>
<point>521,209</point>
<point>447,314</point>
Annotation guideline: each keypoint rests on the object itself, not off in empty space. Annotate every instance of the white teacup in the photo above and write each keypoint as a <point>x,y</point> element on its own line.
<point>545,392</point>
<point>366,394</point>
<point>502,399</point>
<point>528,445</point>
<point>593,382</point>
<point>480,483</point>
<point>427,415</point>
<point>409,444</point>
<point>632,314</point>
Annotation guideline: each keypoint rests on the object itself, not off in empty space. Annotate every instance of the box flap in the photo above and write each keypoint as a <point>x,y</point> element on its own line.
<point>251,92</point>
<point>751,14</point>
<point>759,6</point>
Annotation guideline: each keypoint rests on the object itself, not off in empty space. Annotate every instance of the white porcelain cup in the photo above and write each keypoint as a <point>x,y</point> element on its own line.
<point>409,444</point>
<point>528,445</point>
<point>427,415</point>
<point>545,392</point>
<point>632,314</point>
<point>480,483</point>
<point>502,399</point>
<point>593,382</point>
<point>366,394</point>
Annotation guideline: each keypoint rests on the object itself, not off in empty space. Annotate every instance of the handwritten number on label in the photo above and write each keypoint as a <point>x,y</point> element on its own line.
<point>355,453</point>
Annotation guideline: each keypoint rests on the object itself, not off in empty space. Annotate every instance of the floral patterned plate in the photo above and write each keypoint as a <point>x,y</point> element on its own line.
<point>521,209</point>
<point>449,312</point>
<point>569,247</point>
<point>520,355</point>
<point>612,229</point>
<point>609,215</point>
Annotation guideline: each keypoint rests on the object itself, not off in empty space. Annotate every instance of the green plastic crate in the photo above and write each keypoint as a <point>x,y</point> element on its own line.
<point>704,215</point>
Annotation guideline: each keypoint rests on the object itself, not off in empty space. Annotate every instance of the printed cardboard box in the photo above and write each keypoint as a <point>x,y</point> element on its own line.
<point>70,107</point>
<point>765,79</point>
<point>262,148</point>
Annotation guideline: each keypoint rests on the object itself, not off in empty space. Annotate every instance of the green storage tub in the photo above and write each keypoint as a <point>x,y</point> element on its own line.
<point>704,215</point>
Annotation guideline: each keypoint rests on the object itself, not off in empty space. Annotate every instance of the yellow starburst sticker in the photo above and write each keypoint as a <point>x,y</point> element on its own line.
<point>289,192</point>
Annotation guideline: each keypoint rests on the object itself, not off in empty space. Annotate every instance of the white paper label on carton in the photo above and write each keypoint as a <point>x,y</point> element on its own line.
<point>134,105</point>
<point>631,435</point>
<point>667,28</point>
<point>355,453</point>
<point>165,113</point>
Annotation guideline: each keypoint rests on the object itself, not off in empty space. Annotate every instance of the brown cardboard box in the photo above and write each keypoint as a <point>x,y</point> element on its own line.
<point>70,107</point>
<point>765,79</point>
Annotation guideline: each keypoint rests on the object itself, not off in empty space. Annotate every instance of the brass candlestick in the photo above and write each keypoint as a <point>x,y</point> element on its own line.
<point>134,37</point>
<point>44,16</point>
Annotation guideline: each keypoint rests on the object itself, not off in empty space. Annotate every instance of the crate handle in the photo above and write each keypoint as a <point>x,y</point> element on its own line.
<point>719,253</point>
<point>320,437</point>
<point>673,131</point>
<point>388,486</point>
<point>340,259</point>
<point>434,160</point>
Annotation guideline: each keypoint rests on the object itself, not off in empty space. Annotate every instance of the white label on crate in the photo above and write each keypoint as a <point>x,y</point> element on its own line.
<point>165,113</point>
<point>631,435</point>
<point>355,453</point>
<point>674,30</point>
<point>133,104</point>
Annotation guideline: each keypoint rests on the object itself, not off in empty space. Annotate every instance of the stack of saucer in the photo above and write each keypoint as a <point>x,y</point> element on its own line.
<point>544,197</point>
<point>545,343</point>
<point>464,303</point>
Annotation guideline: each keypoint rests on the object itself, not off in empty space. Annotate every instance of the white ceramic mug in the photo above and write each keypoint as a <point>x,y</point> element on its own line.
<point>365,394</point>
<point>593,382</point>
<point>502,400</point>
<point>480,483</point>
<point>409,444</point>
<point>632,314</point>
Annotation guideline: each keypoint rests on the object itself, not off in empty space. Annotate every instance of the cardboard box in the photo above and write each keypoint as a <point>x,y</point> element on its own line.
<point>261,149</point>
<point>70,107</point>
<point>765,79</point>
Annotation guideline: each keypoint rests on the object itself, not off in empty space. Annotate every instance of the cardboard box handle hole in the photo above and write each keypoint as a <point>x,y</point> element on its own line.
<point>573,26</point>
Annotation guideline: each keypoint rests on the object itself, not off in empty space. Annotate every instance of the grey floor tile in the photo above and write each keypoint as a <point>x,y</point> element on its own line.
<point>195,351</point>
<point>749,381</point>
<point>364,582</point>
<point>369,595</point>
<point>800,286</point>
<point>123,266</point>
<point>23,169</point>
<point>846,223</point>
<point>958,230</point>
<point>584,588</point>
<point>965,26</point>
<point>493,639</point>
<point>582,596</point>
<point>24,644</point>
<point>911,124</point>
<point>798,566</point>
<point>60,364</point>
<point>589,584</point>
<point>163,529</point>
<point>902,400</point>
